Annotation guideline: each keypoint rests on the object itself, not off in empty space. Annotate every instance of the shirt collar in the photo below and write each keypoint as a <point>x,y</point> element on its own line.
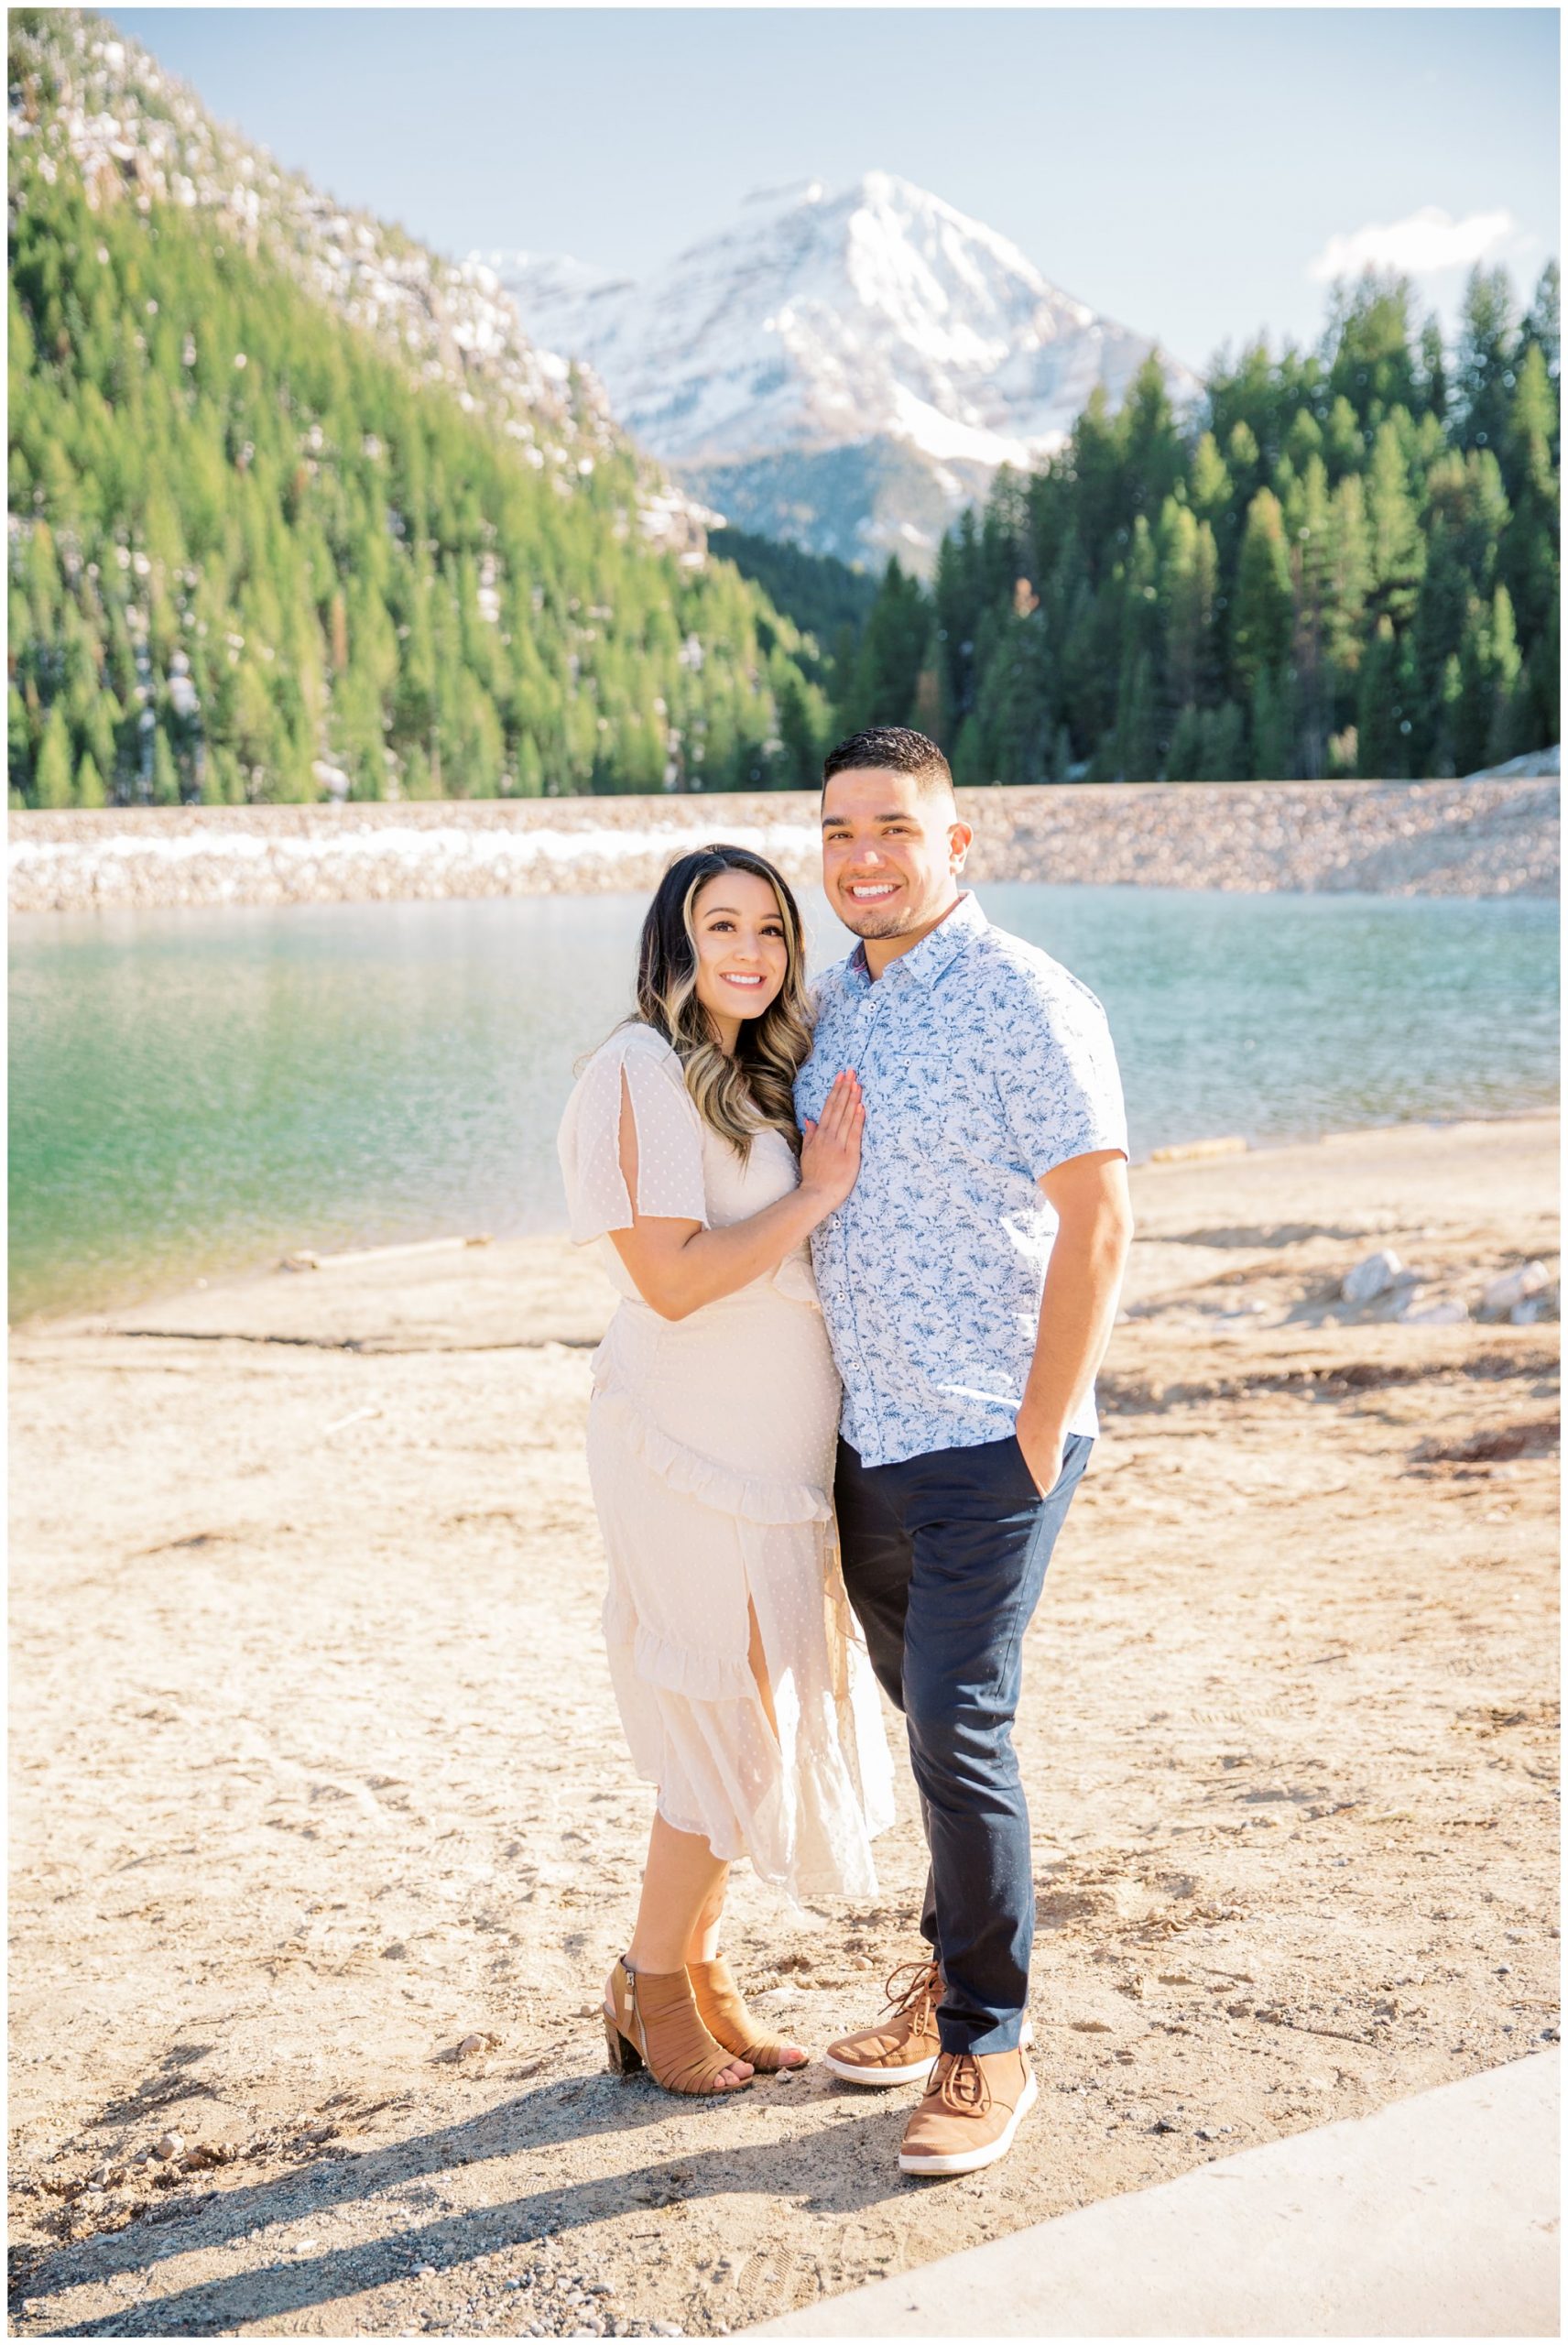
<point>924,962</point>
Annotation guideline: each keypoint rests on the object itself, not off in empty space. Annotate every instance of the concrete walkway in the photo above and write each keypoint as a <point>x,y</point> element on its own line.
<point>1437,2217</point>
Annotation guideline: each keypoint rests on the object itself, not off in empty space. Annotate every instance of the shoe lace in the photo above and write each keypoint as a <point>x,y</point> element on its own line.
<point>916,1995</point>
<point>961,2083</point>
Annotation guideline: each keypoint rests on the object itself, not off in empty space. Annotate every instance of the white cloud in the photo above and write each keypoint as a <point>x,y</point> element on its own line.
<point>1425,244</point>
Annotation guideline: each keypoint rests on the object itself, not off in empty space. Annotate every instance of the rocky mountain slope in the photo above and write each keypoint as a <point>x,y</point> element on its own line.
<point>82,90</point>
<point>297,507</point>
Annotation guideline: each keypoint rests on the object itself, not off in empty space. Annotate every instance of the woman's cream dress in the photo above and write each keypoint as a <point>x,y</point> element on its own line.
<point>711,1443</point>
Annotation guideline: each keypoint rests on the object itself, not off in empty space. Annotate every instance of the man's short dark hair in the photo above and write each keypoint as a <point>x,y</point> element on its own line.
<point>890,749</point>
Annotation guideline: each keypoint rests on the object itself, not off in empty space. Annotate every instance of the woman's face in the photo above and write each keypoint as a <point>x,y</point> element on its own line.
<point>742,952</point>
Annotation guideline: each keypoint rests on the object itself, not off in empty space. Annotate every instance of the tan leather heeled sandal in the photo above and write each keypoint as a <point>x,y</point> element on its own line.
<point>725,2016</point>
<point>651,2020</point>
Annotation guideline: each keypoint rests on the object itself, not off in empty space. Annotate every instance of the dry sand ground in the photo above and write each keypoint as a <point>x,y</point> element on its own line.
<point>317,1771</point>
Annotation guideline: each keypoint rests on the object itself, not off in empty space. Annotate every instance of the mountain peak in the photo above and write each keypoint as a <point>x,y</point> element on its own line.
<point>817,321</point>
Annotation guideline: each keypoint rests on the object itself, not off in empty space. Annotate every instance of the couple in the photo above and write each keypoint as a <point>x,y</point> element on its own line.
<point>943,1123</point>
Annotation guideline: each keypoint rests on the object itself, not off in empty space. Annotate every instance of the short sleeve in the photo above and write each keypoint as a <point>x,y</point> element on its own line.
<point>1061,1087</point>
<point>669,1137</point>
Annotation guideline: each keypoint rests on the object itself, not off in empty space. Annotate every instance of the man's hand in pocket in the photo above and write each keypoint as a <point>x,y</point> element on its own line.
<point>1042,1449</point>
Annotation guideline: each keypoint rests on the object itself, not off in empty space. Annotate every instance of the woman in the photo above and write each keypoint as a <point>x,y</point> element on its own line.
<point>743,1688</point>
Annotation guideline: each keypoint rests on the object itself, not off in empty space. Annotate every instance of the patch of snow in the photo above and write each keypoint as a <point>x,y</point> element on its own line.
<point>401,846</point>
<point>1535,765</point>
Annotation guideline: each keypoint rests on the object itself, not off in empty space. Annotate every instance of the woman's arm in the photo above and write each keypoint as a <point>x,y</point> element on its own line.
<point>677,1266</point>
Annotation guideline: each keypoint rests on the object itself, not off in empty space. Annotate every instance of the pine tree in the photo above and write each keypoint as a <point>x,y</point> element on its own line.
<point>1483,363</point>
<point>1543,715</point>
<point>1433,374</point>
<point>165,773</point>
<point>1308,521</point>
<point>52,785</point>
<point>970,764</point>
<point>1272,728</point>
<point>1224,752</point>
<point>19,742</point>
<point>419,782</point>
<point>1190,567</point>
<point>1210,493</point>
<point>957,598</point>
<point>1395,547</point>
<point>1184,759</point>
<point>1350,563</point>
<point>1472,696</point>
<point>1527,556</point>
<point>1441,615</point>
<point>225,784</point>
<point>89,783</point>
<point>887,672</point>
<point>1542,329</point>
<point>1151,446</point>
<point>1020,700</point>
<point>1505,731</point>
<point>1137,737</point>
<point>1368,334</point>
<point>531,769</point>
<point>1264,601</point>
<point>1379,744</point>
<point>1344,441</point>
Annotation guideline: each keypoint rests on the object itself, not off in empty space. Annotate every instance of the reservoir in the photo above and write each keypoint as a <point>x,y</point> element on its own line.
<point>197,1091</point>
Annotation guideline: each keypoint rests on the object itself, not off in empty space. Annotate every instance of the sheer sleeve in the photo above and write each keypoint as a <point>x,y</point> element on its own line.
<point>668,1138</point>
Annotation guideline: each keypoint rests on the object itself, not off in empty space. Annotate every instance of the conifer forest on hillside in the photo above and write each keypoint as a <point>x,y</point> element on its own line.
<point>1346,563</point>
<point>256,555</point>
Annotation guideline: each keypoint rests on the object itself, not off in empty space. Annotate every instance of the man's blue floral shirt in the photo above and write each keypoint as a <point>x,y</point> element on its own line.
<point>984,1064</point>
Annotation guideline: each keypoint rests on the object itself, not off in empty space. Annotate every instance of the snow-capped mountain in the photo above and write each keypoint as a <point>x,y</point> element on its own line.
<point>79,87</point>
<point>848,369</point>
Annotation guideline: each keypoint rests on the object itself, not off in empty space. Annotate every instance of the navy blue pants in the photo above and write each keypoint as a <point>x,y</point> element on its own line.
<point>944,1557</point>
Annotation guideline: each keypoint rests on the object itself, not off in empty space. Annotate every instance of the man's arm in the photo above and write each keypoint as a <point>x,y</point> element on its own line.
<point>1078,1308</point>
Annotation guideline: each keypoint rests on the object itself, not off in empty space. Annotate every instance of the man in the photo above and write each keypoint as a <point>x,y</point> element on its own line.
<point>969,1285</point>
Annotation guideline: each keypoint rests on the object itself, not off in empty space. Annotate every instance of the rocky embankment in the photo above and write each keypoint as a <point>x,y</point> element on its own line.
<point>1485,837</point>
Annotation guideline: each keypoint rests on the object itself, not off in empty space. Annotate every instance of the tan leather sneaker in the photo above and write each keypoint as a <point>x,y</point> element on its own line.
<point>901,2049</point>
<point>972,2109</point>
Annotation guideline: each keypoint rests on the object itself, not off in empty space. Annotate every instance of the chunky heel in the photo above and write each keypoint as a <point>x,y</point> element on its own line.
<point>624,2057</point>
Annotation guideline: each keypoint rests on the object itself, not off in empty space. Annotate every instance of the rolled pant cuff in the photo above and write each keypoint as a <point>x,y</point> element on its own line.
<point>1000,2035</point>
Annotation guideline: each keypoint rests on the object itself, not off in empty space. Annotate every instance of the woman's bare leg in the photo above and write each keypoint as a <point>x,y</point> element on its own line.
<point>703,1944</point>
<point>682,1898</point>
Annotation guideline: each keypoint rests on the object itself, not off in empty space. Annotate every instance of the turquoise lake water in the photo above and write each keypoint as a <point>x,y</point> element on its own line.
<point>194,1092</point>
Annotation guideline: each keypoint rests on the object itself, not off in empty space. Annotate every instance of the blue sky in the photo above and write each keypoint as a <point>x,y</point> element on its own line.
<point>1195,173</point>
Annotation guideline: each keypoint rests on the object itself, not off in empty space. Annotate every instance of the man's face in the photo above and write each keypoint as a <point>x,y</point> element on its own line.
<point>891,851</point>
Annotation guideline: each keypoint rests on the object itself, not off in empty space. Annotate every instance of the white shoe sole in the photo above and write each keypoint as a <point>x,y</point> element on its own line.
<point>915,2074</point>
<point>970,2161</point>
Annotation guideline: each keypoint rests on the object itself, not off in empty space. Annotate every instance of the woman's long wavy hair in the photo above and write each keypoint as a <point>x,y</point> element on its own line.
<point>754,1089</point>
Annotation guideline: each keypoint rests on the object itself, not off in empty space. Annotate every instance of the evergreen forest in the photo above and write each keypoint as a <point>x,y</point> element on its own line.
<point>1346,563</point>
<point>252,557</point>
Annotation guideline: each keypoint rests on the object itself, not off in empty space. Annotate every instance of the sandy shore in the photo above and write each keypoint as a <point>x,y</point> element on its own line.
<point>1481,837</point>
<point>317,1773</point>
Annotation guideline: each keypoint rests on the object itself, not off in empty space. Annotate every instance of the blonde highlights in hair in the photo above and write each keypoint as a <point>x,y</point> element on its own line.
<point>754,1089</point>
